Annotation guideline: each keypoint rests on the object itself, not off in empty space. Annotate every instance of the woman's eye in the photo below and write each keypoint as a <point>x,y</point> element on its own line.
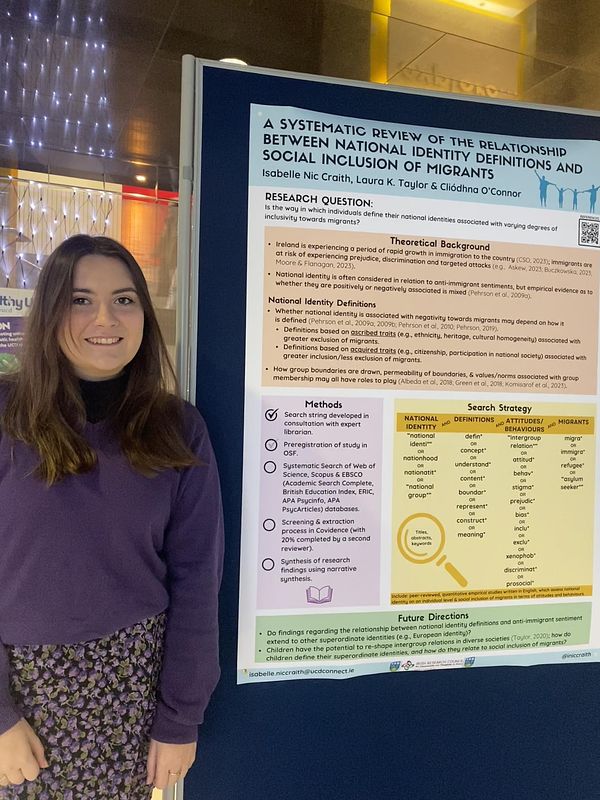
<point>124,301</point>
<point>80,301</point>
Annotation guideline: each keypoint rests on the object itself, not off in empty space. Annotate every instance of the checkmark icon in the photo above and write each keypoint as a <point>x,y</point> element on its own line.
<point>271,414</point>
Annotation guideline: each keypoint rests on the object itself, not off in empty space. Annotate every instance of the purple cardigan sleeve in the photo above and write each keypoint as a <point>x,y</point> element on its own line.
<point>9,715</point>
<point>193,552</point>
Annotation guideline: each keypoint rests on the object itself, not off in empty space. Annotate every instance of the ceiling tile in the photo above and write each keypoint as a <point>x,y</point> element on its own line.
<point>558,31</point>
<point>571,87</point>
<point>470,23</point>
<point>340,22</point>
<point>458,65</point>
<point>281,34</point>
<point>406,42</point>
<point>151,131</point>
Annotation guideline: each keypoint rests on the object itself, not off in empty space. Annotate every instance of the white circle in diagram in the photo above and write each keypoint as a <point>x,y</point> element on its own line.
<point>269,524</point>
<point>269,467</point>
<point>270,445</point>
<point>421,538</point>
<point>268,564</point>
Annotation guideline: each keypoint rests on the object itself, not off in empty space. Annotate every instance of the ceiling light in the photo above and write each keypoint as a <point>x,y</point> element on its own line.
<point>141,178</point>
<point>237,61</point>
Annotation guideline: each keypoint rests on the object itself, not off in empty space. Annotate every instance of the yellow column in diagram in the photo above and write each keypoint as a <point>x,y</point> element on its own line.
<point>492,501</point>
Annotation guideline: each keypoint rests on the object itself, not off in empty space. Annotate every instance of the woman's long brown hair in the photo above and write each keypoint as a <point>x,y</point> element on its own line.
<point>44,408</point>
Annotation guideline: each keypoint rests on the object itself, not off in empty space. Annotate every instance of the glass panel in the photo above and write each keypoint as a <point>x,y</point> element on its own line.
<point>38,211</point>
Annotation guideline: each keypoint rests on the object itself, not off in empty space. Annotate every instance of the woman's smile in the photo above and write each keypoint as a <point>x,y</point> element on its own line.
<point>103,341</point>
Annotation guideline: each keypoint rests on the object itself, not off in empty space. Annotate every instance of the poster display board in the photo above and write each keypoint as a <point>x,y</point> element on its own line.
<point>374,736</point>
<point>421,394</point>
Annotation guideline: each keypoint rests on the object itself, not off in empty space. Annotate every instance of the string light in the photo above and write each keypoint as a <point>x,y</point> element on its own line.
<point>31,124</point>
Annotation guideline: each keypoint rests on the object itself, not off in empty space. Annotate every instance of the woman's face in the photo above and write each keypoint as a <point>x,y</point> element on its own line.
<point>103,329</point>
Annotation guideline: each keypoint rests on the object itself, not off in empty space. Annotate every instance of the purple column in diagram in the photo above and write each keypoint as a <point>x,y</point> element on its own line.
<point>320,502</point>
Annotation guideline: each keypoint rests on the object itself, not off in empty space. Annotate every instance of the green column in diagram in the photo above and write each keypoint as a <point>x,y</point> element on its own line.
<point>492,501</point>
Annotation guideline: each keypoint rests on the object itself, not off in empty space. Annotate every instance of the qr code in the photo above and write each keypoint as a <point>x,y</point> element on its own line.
<point>589,232</point>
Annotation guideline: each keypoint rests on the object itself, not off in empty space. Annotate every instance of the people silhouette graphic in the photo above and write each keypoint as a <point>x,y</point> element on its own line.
<point>544,183</point>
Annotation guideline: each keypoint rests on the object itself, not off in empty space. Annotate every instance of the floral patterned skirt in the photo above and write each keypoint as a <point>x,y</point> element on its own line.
<point>92,705</point>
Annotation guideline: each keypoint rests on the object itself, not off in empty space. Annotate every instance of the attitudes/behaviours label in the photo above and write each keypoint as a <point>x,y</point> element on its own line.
<point>391,635</point>
<point>492,501</point>
<point>352,310</point>
<point>320,479</point>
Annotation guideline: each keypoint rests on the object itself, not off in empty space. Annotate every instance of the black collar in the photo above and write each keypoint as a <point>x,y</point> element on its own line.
<point>101,397</point>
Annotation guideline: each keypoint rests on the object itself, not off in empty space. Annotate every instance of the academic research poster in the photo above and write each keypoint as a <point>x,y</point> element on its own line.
<point>420,479</point>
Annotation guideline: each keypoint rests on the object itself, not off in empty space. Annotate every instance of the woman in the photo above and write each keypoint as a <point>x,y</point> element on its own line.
<point>110,543</point>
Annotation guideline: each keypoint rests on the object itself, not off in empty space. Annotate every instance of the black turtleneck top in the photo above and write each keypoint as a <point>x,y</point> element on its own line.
<point>102,397</point>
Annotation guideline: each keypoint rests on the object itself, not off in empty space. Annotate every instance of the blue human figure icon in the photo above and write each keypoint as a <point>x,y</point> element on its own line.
<point>561,193</point>
<point>575,194</point>
<point>544,183</point>
<point>593,190</point>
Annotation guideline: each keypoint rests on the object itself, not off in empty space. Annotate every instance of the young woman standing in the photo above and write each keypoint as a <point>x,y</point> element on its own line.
<point>110,543</point>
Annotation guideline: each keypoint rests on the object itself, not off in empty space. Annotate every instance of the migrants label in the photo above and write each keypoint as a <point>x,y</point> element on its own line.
<point>420,487</point>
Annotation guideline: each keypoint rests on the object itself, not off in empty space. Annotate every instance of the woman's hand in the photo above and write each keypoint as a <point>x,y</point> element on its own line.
<point>168,763</point>
<point>21,754</point>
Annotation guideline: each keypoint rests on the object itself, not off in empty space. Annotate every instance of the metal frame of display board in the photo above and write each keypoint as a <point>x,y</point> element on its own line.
<point>497,733</point>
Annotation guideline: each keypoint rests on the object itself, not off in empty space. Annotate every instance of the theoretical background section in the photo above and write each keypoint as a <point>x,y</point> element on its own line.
<point>349,309</point>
